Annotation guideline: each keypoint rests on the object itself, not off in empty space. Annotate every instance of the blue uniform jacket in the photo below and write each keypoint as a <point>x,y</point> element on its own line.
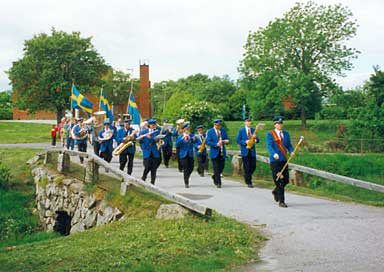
<point>76,131</point>
<point>108,144</point>
<point>201,139</point>
<point>212,141</point>
<point>273,148</point>
<point>242,139</point>
<point>121,134</point>
<point>148,145</point>
<point>186,148</point>
<point>167,139</point>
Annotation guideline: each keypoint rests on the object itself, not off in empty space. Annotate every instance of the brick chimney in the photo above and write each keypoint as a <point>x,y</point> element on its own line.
<point>144,99</point>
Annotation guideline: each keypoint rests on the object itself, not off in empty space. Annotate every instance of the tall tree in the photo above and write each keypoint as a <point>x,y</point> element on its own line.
<point>296,56</point>
<point>118,86</point>
<point>42,78</point>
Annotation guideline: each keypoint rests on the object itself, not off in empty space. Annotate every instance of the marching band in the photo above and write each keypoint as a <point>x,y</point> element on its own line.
<point>156,145</point>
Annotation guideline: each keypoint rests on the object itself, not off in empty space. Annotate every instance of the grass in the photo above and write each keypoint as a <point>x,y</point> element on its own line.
<point>317,186</point>
<point>316,133</point>
<point>138,243</point>
<point>142,244</point>
<point>17,202</point>
<point>12,133</point>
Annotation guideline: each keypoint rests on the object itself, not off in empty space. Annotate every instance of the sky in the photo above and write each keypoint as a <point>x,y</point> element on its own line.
<point>176,38</point>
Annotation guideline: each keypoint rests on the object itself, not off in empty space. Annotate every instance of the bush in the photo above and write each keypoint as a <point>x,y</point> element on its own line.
<point>5,106</point>
<point>5,176</point>
<point>199,113</point>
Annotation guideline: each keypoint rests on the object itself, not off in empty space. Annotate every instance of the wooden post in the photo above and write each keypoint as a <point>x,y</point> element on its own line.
<point>47,157</point>
<point>296,177</point>
<point>91,171</point>
<point>63,162</point>
<point>237,166</point>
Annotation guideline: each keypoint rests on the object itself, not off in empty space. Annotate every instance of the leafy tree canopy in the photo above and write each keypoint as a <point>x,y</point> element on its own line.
<point>42,78</point>
<point>296,56</point>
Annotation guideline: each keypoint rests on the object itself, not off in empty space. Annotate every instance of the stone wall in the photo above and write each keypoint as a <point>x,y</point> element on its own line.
<point>57,195</point>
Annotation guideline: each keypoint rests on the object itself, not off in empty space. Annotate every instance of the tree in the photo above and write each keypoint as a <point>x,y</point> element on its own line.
<point>5,105</point>
<point>118,86</point>
<point>296,56</point>
<point>369,122</point>
<point>216,90</point>
<point>42,78</point>
<point>174,106</point>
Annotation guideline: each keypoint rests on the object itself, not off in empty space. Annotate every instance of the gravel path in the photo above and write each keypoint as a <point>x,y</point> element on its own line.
<point>310,235</point>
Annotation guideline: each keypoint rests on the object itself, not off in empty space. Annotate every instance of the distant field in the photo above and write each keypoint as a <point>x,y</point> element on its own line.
<point>316,133</point>
<point>12,133</point>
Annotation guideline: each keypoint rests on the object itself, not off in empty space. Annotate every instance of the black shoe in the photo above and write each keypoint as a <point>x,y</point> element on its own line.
<point>275,196</point>
<point>250,185</point>
<point>218,185</point>
<point>181,171</point>
<point>152,182</point>
<point>283,205</point>
<point>186,186</point>
<point>143,178</point>
<point>166,166</point>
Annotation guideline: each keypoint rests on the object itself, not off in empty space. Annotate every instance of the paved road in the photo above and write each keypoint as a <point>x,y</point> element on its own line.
<point>311,235</point>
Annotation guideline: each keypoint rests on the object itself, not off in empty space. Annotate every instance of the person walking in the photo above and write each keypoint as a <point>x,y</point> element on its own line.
<point>217,138</point>
<point>278,145</point>
<point>245,137</point>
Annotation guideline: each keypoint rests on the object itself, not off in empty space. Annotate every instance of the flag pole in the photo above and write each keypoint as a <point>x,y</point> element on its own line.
<point>130,93</point>
<point>101,92</point>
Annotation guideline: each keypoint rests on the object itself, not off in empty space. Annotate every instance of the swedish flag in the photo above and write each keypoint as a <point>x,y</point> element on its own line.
<point>79,101</point>
<point>134,111</point>
<point>104,106</point>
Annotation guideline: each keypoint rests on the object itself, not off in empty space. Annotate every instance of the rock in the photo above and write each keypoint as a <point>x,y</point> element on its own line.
<point>117,214</point>
<point>171,211</point>
<point>77,227</point>
<point>47,203</point>
<point>76,217</point>
<point>90,202</point>
<point>90,220</point>
<point>48,213</point>
<point>76,187</point>
<point>50,227</point>
<point>108,213</point>
<point>67,182</point>
<point>100,219</point>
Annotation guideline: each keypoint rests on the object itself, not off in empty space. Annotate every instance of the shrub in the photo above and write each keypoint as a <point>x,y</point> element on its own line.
<point>5,176</point>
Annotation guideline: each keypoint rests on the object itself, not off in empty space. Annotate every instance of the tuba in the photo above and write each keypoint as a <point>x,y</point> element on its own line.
<point>252,140</point>
<point>107,135</point>
<point>83,133</point>
<point>127,142</point>
<point>97,121</point>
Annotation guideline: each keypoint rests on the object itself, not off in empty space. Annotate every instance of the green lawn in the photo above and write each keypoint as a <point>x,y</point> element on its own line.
<point>316,133</point>
<point>139,243</point>
<point>12,133</point>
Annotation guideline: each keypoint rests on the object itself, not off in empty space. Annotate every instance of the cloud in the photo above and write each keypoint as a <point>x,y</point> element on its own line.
<point>179,38</point>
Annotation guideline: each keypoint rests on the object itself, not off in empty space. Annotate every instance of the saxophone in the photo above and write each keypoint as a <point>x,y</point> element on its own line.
<point>127,142</point>
<point>202,147</point>
<point>252,140</point>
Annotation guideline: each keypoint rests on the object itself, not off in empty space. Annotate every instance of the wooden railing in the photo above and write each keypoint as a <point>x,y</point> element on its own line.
<point>324,174</point>
<point>92,163</point>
